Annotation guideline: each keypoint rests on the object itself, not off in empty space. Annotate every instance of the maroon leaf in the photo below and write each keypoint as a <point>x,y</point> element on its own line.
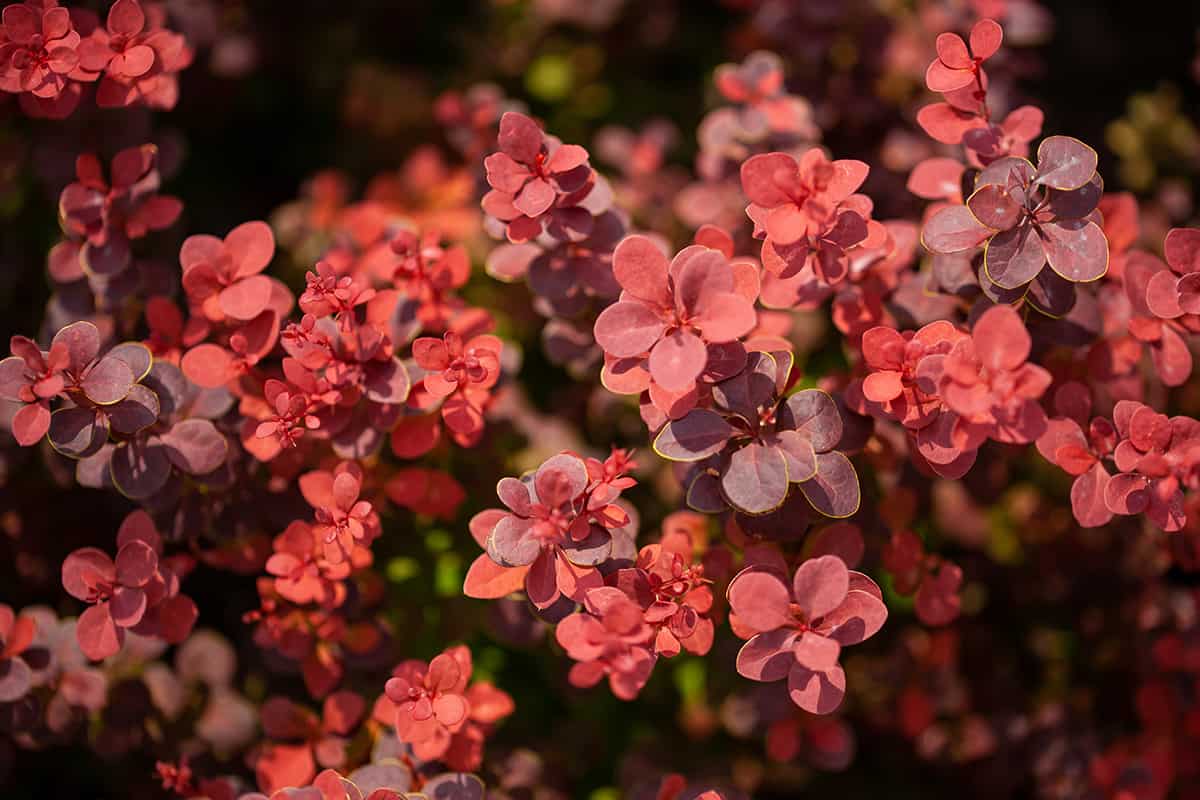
<point>1076,249</point>
<point>388,383</point>
<point>195,446</point>
<point>1051,294</point>
<point>798,452</point>
<point>136,355</point>
<point>1182,250</point>
<point>139,410</point>
<point>592,550</point>
<point>140,469</point>
<point>1014,257</point>
<point>82,341</point>
<point>698,435</point>
<point>814,414</point>
<point>756,480</point>
<point>834,491</point>
<point>108,381</point>
<point>1065,163</point>
<point>992,205</point>
<point>1077,203</point>
<point>78,432</point>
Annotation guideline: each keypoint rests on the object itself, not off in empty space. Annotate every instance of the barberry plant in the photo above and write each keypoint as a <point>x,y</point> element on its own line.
<point>874,428</point>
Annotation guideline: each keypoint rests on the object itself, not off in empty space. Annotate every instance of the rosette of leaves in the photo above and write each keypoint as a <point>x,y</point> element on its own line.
<point>163,432</point>
<point>109,213</point>
<point>755,441</point>
<point>1027,217</point>
<point>101,393</point>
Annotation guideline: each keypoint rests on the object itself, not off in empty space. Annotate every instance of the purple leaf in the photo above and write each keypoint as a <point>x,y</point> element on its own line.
<point>175,392</point>
<point>195,446</point>
<point>453,786</point>
<point>834,491</point>
<point>136,355</point>
<point>592,550</point>
<point>511,544</point>
<point>108,381</point>
<point>1050,294</point>
<point>15,679</point>
<point>993,206</point>
<point>388,382</point>
<point>751,388</point>
<point>77,432</point>
<point>814,414</point>
<point>799,454</point>
<point>137,411</point>
<point>140,469</point>
<point>1076,249</point>
<point>82,340</point>
<point>704,494</point>
<point>1065,163</point>
<point>700,434</point>
<point>1007,171</point>
<point>1077,203</point>
<point>1014,257</point>
<point>12,378</point>
<point>756,480</point>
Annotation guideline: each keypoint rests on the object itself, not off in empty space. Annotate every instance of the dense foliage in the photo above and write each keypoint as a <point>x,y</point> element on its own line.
<point>861,456</point>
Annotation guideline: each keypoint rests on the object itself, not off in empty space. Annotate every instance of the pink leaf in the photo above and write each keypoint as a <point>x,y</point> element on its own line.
<point>756,479</point>
<point>953,230</point>
<point>1001,339</point>
<point>628,328</point>
<point>677,360</point>
<point>759,599</point>
<point>986,36</point>
<point>816,692</point>
<point>641,269</point>
<point>820,585</point>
